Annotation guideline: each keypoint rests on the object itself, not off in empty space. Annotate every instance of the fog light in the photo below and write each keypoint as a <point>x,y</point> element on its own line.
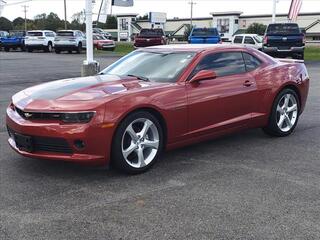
<point>79,144</point>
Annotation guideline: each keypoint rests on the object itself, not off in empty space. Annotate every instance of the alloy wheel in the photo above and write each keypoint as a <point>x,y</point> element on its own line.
<point>140,143</point>
<point>287,112</point>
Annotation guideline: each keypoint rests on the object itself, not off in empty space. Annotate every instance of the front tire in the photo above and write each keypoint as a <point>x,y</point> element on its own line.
<point>284,114</point>
<point>138,142</point>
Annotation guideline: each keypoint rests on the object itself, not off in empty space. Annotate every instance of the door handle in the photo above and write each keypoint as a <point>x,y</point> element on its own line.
<point>247,83</point>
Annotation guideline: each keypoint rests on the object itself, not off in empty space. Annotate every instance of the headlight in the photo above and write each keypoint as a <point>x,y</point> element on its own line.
<point>83,117</point>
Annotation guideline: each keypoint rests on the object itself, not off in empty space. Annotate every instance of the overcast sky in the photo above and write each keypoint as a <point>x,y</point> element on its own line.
<point>174,8</point>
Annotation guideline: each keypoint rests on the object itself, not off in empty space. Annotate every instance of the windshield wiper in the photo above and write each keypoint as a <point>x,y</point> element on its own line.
<point>139,77</point>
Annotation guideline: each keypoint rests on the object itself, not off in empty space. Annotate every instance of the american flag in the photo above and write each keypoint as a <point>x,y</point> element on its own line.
<point>294,9</point>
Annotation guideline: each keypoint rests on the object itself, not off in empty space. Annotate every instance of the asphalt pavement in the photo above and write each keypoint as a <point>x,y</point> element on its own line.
<point>243,186</point>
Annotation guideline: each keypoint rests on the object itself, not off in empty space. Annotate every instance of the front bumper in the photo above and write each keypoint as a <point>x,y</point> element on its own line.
<point>97,140</point>
<point>106,47</point>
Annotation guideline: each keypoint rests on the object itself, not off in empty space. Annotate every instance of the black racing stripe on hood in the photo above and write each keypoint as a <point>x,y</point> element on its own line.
<point>57,89</point>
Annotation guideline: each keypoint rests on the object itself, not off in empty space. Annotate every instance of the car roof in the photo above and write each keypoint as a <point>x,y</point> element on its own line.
<point>194,47</point>
<point>40,31</point>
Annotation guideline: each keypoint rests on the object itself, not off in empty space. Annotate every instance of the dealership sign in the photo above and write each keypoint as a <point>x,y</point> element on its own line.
<point>158,17</point>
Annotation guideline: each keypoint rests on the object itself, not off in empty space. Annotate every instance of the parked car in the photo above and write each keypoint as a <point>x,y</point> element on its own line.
<point>14,40</point>
<point>69,40</point>
<point>204,35</point>
<point>284,40</point>
<point>157,98</point>
<point>102,32</point>
<point>2,35</point>
<point>252,40</point>
<point>150,37</point>
<point>40,39</point>
<point>102,43</point>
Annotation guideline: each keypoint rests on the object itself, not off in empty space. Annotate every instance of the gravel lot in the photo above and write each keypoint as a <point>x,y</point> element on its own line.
<point>244,186</point>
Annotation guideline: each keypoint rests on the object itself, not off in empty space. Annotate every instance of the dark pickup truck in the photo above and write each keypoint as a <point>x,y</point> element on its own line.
<point>14,40</point>
<point>284,40</point>
<point>150,37</point>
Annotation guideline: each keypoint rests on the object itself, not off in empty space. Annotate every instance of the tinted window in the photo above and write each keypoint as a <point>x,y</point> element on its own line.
<point>251,62</point>
<point>238,39</point>
<point>248,40</point>
<point>34,34</point>
<point>152,32</point>
<point>64,33</point>
<point>225,63</point>
<point>283,29</point>
<point>205,32</point>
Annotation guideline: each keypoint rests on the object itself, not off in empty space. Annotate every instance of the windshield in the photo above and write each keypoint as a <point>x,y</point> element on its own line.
<point>258,39</point>
<point>69,34</point>
<point>205,32</point>
<point>154,66</point>
<point>283,29</point>
<point>34,34</point>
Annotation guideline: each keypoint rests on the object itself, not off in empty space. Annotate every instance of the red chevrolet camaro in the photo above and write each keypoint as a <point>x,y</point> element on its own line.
<point>157,98</point>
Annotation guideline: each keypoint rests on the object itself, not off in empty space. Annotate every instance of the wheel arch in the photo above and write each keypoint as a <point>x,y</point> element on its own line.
<point>294,88</point>
<point>152,110</point>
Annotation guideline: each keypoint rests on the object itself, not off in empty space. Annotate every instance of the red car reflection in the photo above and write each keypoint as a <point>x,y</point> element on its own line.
<point>156,99</point>
<point>102,43</point>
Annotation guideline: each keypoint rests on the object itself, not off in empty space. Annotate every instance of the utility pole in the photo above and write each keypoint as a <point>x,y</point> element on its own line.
<point>25,16</point>
<point>192,3</point>
<point>65,14</point>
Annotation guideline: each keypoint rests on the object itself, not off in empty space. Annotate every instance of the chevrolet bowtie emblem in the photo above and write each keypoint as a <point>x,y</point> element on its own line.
<point>28,115</point>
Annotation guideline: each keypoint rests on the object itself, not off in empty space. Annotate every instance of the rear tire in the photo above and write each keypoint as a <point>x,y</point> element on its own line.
<point>29,49</point>
<point>79,49</point>
<point>7,49</point>
<point>57,51</point>
<point>284,114</point>
<point>138,143</point>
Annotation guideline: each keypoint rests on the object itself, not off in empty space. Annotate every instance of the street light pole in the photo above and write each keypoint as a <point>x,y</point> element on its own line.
<point>25,16</point>
<point>65,14</point>
<point>274,9</point>
<point>89,67</point>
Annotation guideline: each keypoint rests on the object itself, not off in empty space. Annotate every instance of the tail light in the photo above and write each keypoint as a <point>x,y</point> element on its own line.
<point>265,40</point>
<point>304,39</point>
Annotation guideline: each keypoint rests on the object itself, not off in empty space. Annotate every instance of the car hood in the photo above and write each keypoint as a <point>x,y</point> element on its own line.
<point>76,93</point>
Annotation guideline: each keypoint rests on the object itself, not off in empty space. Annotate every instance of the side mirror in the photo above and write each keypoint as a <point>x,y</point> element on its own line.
<point>203,75</point>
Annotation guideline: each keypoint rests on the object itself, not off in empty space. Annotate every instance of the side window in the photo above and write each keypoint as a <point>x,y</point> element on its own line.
<point>251,62</point>
<point>224,63</point>
<point>238,39</point>
<point>248,40</point>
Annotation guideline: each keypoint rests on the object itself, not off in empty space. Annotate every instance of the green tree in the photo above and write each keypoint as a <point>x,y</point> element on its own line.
<point>256,28</point>
<point>144,17</point>
<point>5,24</point>
<point>17,23</point>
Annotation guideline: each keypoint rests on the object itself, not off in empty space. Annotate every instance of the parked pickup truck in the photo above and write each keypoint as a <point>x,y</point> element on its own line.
<point>150,37</point>
<point>284,40</point>
<point>204,35</point>
<point>14,40</point>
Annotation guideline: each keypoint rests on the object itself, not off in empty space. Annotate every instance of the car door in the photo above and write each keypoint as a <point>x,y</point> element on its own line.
<point>248,41</point>
<point>225,101</point>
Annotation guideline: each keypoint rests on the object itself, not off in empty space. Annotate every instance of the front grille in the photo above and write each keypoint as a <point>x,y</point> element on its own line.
<point>38,115</point>
<point>45,144</point>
